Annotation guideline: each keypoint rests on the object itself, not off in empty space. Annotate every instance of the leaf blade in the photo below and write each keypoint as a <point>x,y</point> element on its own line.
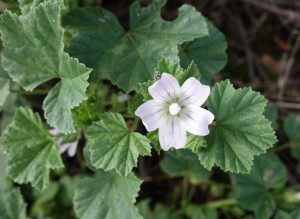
<point>31,151</point>
<point>241,130</point>
<point>107,196</point>
<point>112,146</point>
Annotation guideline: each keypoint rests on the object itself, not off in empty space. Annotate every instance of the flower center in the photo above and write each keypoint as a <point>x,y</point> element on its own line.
<point>174,109</point>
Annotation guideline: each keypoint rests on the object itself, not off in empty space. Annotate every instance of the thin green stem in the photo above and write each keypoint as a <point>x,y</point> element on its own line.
<point>185,185</point>
<point>135,124</point>
<point>284,146</point>
<point>34,92</point>
<point>211,182</point>
<point>219,203</point>
<point>191,193</point>
<point>128,116</point>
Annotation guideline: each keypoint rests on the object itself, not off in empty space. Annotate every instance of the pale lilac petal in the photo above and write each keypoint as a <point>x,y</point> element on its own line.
<point>152,114</point>
<point>172,133</point>
<point>72,149</point>
<point>197,120</point>
<point>63,147</point>
<point>166,88</point>
<point>192,92</point>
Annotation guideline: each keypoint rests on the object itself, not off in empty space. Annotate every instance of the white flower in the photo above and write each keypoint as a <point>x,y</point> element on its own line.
<point>70,147</point>
<point>175,110</point>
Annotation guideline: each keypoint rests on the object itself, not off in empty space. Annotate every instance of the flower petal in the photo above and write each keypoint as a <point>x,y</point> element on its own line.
<point>63,147</point>
<point>166,88</point>
<point>152,114</point>
<point>197,120</point>
<point>72,149</point>
<point>193,92</point>
<point>172,133</point>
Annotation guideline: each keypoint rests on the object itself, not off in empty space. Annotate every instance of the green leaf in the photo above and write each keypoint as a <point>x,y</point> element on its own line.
<point>292,129</point>
<point>4,90</point>
<point>113,146</point>
<point>153,136</point>
<point>107,196</point>
<point>127,59</point>
<point>284,215</point>
<point>160,211</point>
<point>134,103</point>
<point>241,130</point>
<point>184,163</point>
<point>205,214</point>
<point>34,53</point>
<point>254,190</point>
<point>27,6</point>
<point>12,205</point>
<point>31,151</point>
<point>4,183</point>
<point>10,106</point>
<point>173,68</point>
<point>271,113</point>
<point>194,142</point>
<point>208,52</point>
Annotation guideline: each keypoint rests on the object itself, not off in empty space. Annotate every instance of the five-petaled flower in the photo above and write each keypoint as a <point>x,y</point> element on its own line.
<point>175,110</point>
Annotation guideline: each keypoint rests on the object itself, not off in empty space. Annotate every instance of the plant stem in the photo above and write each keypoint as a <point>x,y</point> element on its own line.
<point>34,92</point>
<point>128,116</point>
<point>185,185</point>
<point>283,147</point>
<point>191,193</point>
<point>219,203</point>
<point>135,124</point>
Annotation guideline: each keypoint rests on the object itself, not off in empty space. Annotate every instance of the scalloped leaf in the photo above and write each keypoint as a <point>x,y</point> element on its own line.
<point>128,59</point>
<point>31,151</point>
<point>12,205</point>
<point>208,52</point>
<point>113,146</point>
<point>241,130</point>
<point>107,196</point>
<point>255,190</point>
<point>34,53</point>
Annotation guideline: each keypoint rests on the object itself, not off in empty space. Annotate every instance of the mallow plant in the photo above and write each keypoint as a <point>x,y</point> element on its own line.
<point>112,97</point>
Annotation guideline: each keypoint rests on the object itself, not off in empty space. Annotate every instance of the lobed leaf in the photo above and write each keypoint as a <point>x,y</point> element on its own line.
<point>113,146</point>
<point>31,151</point>
<point>128,59</point>
<point>34,53</point>
<point>208,52</point>
<point>107,196</point>
<point>12,205</point>
<point>292,129</point>
<point>241,130</point>
<point>255,189</point>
